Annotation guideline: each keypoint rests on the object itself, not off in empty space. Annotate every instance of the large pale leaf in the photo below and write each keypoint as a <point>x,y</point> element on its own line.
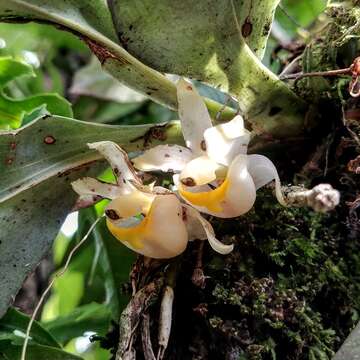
<point>172,36</point>
<point>223,58</point>
<point>52,145</point>
<point>202,40</point>
<point>37,164</point>
<point>350,350</point>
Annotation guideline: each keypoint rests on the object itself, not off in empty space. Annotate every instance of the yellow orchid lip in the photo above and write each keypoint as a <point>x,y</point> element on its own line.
<point>161,234</point>
<point>209,199</point>
<point>127,206</point>
<point>134,236</point>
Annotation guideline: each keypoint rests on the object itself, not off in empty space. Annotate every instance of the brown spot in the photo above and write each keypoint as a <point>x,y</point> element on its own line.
<point>116,171</point>
<point>246,29</point>
<point>9,161</point>
<point>184,214</point>
<point>102,53</point>
<point>13,145</point>
<point>156,132</point>
<point>111,214</point>
<point>167,155</point>
<point>188,181</point>
<point>49,140</point>
<point>203,145</point>
<point>189,87</point>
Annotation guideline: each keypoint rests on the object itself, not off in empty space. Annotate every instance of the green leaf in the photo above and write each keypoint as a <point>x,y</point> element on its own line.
<point>8,351</point>
<point>38,38</point>
<point>293,14</point>
<point>62,302</point>
<point>12,111</point>
<point>93,21</point>
<point>42,345</point>
<point>37,164</point>
<point>15,320</point>
<point>11,69</point>
<point>90,317</point>
<point>201,41</point>
<point>109,252</point>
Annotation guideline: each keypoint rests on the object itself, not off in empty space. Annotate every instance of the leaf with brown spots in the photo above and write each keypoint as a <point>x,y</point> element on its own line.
<point>35,191</point>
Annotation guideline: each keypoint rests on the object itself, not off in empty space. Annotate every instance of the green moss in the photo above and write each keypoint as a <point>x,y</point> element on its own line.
<point>289,289</point>
<point>332,48</point>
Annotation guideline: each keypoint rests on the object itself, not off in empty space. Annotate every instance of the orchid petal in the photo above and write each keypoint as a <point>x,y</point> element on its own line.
<point>225,141</point>
<point>210,201</point>
<point>117,159</point>
<point>194,227</point>
<point>161,234</point>
<point>165,158</point>
<point>137,202</point>
<point>88,186</point>
<point>234,197</point>
<point>263,171</point>
<point>84,201</point>
<point>194,116</point>
<point>201,171</point>
<point>217,245</point>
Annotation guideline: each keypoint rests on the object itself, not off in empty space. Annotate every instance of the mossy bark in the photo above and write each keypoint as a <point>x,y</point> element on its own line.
<point>290,289</point>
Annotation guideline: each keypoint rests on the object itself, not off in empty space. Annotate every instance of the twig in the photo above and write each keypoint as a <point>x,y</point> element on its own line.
<point>198,278</point>
<point>298,76</point>
<point>146,338</point>
<point>353,70</point>
<point>60,273</point>
<point>130,317</point>
<point>165,321</point>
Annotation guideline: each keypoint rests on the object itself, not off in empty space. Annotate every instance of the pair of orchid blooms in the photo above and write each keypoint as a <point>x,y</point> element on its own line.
<point>213,175</point>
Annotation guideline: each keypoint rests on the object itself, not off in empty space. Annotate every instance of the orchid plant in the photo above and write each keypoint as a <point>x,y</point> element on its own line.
<point>212,175</point>
<point>150,220</point>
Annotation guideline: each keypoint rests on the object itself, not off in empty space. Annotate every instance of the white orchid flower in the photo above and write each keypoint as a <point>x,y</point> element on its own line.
<point>149,220</point>
<point>216,176</point>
